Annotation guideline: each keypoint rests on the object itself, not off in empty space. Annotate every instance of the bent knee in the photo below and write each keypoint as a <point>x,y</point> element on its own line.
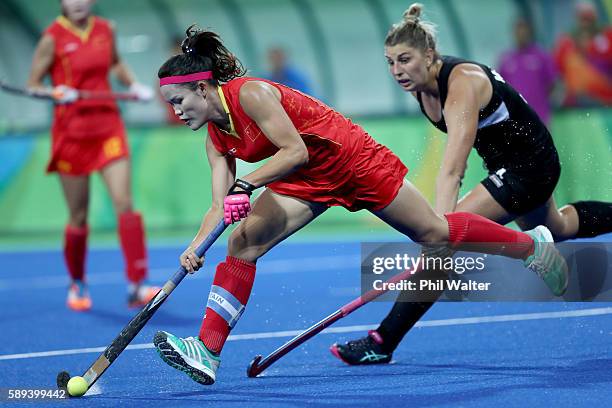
<point>236,242</point>
<point>435,233</point>
<point>123,206</point>
<point>241,246</point>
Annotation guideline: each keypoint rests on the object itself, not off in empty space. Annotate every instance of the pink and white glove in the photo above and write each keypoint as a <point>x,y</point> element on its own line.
<point>236,207</point>
<point>63,94</point>
<point>142,92</point>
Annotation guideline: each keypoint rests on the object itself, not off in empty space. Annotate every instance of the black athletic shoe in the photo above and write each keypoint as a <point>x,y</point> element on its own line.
<point>367,350</point>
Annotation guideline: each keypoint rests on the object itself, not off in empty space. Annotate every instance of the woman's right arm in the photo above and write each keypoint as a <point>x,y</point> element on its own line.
<point>41,62</point>
<point>223,174</point>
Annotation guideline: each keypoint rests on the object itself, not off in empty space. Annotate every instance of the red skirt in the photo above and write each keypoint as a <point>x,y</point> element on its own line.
<point>373,179</point>
<point>83,155</point>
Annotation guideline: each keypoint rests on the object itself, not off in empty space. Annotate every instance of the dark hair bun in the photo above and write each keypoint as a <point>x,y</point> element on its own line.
<point>203,51</point>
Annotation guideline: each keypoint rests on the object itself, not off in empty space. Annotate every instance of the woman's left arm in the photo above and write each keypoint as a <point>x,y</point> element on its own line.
<point>461,116</point>
<point>261,103</point>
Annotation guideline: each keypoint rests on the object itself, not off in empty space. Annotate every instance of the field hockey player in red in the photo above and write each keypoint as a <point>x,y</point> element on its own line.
<point>317,158</point>
<point>78,51</point>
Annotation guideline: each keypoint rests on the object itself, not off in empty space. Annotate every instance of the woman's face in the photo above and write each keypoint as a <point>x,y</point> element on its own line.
<point>408,66</point>
<point>77,10</point>
<point>191,106</point>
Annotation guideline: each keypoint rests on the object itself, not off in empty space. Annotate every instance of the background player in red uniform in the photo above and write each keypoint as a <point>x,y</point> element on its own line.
<point>317,158</point>
<point>478,109</point>
<point>78,51</point>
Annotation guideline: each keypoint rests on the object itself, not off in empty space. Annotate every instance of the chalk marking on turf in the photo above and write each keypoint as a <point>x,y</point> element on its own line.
<point>345,329</point>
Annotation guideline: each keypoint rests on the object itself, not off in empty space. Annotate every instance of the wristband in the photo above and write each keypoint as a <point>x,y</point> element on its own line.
<point>244,185</point>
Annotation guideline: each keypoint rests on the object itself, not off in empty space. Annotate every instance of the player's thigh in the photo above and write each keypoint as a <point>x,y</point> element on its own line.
<point>76,192</point>
<point>116,177</point>
<point>480,201</point>
<point>411,214</point>
<point>274,217</point>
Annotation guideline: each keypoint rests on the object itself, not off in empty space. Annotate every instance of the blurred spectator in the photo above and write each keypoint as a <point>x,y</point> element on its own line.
<point>283,73</point>
<point>529,69</point>
<point>584,58</point>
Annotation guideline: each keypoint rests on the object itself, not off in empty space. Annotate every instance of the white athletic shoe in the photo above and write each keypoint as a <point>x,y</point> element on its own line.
<point>547,262</point>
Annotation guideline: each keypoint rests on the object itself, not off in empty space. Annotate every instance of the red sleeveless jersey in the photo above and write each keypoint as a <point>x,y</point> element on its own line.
<point>337,149</point>
<point>82,59</point>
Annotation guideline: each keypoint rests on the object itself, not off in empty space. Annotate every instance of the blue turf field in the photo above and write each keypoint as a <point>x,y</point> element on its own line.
<point>543,354</point>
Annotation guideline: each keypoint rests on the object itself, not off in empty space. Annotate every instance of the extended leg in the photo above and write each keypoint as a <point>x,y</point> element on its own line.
<point>274,218</point>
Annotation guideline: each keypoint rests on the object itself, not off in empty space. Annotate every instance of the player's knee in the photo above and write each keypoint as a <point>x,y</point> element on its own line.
<point>239,246</point>
<point>564,226</point>
<point>433,236</point>
<point>435,233</point>
<point>78,218</point>
<point>559,232</point>
<point>234,243</point>
<point>122,205</point>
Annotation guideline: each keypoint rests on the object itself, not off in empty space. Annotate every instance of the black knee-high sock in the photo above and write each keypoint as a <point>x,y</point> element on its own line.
<point>402,317</point>
<point>409,307</point>
<point>594,218</point>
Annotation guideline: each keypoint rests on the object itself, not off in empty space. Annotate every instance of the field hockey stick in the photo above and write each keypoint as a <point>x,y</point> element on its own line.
<point>258,365</point>
<point>83,94</point>
<point>137,323</point>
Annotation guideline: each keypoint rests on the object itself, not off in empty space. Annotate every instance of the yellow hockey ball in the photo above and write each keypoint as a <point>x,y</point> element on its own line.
<point>77,386</point>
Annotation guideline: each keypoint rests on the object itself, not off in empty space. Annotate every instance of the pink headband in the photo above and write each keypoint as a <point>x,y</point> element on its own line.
<point>179,79</point>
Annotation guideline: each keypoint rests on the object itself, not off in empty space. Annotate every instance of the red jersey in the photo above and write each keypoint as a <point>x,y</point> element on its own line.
<point>337,149</point>
<point>82,59</point>
<point>587,71</point>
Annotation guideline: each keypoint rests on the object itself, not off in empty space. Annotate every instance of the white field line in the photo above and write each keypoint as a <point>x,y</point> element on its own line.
<point>345,329</point>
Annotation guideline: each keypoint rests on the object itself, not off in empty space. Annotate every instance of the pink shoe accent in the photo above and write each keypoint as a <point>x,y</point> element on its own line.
<point>334,350</point>
<point>78,301</point>
<point>144,296</point>
<point>376,336</point>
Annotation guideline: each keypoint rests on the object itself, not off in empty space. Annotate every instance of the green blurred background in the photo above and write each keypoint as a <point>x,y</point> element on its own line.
<point>337,43</point>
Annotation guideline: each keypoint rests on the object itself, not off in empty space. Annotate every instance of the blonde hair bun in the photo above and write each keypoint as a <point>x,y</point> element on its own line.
<point>413,12</point>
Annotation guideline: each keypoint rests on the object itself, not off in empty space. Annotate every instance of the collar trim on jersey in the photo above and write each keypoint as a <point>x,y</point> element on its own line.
<point>226,109</point>
<point>83,34</point>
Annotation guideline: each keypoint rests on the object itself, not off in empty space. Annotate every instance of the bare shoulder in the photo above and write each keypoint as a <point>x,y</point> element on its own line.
<point>469,72</point>
<point>256,94</point>
<point>45,48</point>
<point>467,79</point>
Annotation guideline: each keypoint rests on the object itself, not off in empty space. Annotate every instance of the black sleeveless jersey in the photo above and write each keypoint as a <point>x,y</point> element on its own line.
<point>510,134</point>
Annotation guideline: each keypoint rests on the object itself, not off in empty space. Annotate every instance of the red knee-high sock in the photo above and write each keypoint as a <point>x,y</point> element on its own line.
<point>132,238</point>
<point>467,231</point>
<point>236,277</point>
<point>75,250</point>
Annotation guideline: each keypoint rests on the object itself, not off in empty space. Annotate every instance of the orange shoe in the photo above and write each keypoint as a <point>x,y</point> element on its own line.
<point>140,295</point>
<point>78,297</point>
